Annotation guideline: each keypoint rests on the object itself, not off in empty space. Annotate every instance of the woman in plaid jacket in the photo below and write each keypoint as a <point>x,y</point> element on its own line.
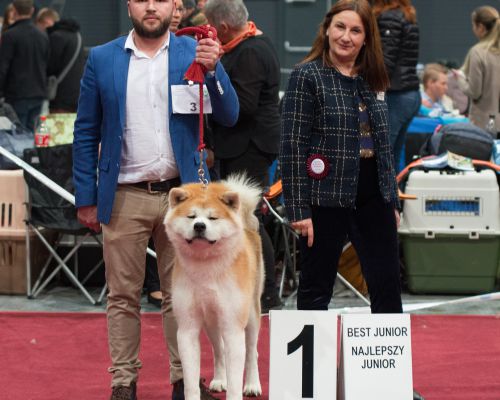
<point>337,168</point>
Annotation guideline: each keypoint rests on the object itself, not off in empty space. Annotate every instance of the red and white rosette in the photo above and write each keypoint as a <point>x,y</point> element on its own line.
<point>317,166</point>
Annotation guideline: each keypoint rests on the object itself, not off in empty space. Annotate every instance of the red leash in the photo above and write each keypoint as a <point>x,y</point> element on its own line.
<point>196,73</point>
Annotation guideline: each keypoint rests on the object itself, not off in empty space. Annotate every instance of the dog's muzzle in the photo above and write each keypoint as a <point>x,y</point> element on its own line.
<point>199,229</point>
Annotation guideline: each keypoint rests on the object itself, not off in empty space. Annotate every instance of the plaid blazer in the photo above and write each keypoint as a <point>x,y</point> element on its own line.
<point>320,116</point>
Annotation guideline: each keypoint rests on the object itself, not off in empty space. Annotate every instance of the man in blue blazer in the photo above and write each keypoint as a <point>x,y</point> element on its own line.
<point>136,136</point>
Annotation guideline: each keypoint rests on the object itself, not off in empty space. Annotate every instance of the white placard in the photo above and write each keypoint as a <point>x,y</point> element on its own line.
<point>186,99</point>
<point>303,355</point>
<point>375,357</point>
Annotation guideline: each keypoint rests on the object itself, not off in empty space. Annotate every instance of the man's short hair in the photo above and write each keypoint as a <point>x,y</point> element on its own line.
<point>23,7</point>
<point>233,12</point>
<point>47,13</point>
<point>432,72</point>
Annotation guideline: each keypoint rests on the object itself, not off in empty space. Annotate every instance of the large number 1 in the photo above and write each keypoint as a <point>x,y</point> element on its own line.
<point>305,339</point>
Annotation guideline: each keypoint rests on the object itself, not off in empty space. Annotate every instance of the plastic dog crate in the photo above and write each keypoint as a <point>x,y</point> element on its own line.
<point>451,232</point>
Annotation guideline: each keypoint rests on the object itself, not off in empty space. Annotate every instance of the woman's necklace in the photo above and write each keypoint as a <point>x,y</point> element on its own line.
<point>351,72</point>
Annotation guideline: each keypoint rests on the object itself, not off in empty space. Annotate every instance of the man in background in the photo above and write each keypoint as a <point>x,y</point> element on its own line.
<point>24,54</point>
<point>252,144</point>
<point>435,82</point>
<point>45,18</point>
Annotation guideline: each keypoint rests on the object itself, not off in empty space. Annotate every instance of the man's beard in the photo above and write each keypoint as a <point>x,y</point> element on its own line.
<point>141,29</point>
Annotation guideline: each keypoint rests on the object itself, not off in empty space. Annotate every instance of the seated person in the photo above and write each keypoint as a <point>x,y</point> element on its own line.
<point>435,82</point>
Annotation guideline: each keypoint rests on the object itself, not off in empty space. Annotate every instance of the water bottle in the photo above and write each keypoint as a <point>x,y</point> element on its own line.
<point>42,135</point>
<point>491,126</point>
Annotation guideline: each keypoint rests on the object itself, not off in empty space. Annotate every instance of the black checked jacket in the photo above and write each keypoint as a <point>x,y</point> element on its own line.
<point>320,116</point>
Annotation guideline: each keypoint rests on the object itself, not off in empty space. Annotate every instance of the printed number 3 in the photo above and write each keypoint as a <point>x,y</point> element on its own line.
<point>305,339</point>
<point>193,107</point>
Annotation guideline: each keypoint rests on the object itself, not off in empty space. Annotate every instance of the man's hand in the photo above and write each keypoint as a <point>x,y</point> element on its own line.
<point>207,53</point>
<point>398,217</point>
<point>88,216</point>
<point>305,228</point>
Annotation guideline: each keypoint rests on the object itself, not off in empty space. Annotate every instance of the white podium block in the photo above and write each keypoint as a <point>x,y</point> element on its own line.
<point>375,357</point>
<point>303,355</point>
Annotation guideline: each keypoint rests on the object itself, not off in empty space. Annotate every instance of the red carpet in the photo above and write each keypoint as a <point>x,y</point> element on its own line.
<point>64,356</point>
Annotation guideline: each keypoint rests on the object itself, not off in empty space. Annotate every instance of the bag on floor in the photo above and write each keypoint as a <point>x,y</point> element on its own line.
<point>465,139</point>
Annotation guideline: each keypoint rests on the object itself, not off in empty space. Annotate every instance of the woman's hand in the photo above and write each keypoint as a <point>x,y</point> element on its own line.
<point>305,228</point>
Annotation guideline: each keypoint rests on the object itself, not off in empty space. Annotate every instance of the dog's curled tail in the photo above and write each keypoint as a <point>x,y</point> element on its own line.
<point>250,195</point>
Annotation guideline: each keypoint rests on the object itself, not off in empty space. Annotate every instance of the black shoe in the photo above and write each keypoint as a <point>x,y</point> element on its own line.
<point>417,396</point>
<point>270,302</point>
<point>178,391</point>
<point>125,392</point>
<point>154,301</point>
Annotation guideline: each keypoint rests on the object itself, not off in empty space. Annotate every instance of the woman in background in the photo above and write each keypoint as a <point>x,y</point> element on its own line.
<point>479,77</point>
<point>8,17</point>
<point>397,23</point>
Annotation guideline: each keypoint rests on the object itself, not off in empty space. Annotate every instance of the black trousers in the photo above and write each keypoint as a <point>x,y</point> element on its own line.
<point>371,227</point>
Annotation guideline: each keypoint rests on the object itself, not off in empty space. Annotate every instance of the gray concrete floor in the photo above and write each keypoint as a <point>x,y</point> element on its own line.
<point>69,299</point>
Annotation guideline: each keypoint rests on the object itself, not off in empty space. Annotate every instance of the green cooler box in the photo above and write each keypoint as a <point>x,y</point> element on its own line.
<point>451,232</point>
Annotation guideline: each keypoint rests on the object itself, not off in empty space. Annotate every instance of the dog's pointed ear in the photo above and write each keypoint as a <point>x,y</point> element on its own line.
<point>176,196</point>
<point>231,199</point>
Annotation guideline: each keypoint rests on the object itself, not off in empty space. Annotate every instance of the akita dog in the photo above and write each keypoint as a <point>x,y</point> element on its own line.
<point>217,282</point>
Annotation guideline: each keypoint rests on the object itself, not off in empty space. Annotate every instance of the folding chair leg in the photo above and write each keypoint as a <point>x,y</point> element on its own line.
<point>353,289</point>
<point>28,263</point>
<point>65,268</point>
<point>288,260</point>
<point>103,293</point>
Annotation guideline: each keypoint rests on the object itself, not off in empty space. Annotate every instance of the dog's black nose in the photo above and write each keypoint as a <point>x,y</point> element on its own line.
<point>200,227</point>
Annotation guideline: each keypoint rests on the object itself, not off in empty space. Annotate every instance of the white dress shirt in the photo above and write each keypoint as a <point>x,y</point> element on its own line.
<point>147,153</point>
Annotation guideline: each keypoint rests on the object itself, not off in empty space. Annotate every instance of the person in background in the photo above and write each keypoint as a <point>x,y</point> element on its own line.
<point>336,161</point>
<point>252,144</point>
<point>193,16</point>
<point>125,110</point>
<point>201,4</point>
<point>435,86</point>
<point>177,16</point>
<point>63,38</point>
<point>459,100</point>
<point>8,17</point>
<point>397,23</point>
<point>45,18</point>
<point>479,77</point>
<point>24,54</point>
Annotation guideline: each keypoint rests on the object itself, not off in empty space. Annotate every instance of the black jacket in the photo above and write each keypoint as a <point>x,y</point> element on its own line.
<point>63,42</point>
<point>24,52</point>
<point>321,117</point>
<point>254,70</point>
<point>400,44</point>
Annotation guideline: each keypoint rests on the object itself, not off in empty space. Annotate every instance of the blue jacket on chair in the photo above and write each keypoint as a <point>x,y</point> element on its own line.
<point>101,119</point>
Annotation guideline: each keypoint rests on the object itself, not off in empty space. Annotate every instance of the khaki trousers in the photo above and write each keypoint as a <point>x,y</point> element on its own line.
<point>137,216</point>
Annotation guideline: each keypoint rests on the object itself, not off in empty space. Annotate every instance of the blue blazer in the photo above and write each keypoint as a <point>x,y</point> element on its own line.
<point>101,119</point>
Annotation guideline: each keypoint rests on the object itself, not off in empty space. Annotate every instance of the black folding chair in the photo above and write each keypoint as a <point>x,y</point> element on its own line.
<point>48,212</point>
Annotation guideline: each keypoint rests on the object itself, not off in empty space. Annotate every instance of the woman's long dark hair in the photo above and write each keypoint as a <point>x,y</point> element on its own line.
<point>370,60</point>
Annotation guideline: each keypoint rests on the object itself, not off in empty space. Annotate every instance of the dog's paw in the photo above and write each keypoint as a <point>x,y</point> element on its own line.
<point>218,385</point>
<point>252,389</point>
